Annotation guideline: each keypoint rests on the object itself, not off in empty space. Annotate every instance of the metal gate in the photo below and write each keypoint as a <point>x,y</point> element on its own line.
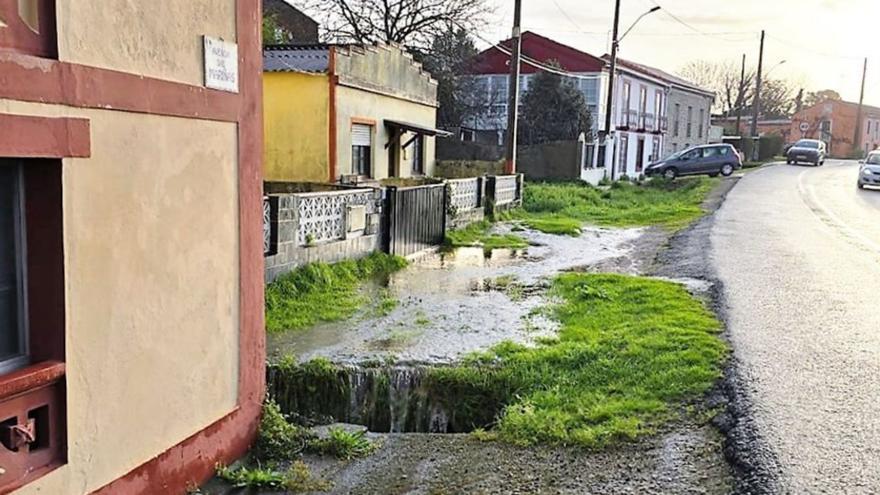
<point>416,218</point>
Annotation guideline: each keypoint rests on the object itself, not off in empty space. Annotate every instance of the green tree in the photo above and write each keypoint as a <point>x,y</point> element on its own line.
<point>273,33</point>
<point>553,109</point>
<point>447,60</point>
<point>816,97</point>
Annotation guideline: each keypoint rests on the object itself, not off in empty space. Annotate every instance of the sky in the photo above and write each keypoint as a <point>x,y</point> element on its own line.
<point>823,42</point>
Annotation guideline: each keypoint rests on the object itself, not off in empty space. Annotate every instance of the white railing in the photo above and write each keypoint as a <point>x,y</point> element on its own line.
<point>506,188</point>
<point>464,194</point>
<point>321,215</point>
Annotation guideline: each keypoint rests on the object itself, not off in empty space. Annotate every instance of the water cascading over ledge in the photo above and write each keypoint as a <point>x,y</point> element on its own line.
<point>396,398</point>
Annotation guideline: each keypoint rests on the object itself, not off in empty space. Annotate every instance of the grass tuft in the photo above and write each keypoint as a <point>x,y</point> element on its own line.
<point>477,235</point>
<point>344,444</point>
<point>321,292</point>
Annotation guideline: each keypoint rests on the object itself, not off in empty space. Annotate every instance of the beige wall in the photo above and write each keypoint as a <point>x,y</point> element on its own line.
<point>359,104</point>
<point>160,39</point>
<point>152,289</point>
<point>387,69</point>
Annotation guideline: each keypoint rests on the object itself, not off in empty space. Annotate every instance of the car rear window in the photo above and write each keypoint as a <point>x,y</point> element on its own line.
<point>807,144</point>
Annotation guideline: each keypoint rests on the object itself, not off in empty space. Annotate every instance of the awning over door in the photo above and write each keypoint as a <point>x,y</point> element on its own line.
<point>399,128</point>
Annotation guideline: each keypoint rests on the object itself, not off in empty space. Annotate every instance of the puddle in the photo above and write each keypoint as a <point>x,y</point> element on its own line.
<point>452,304</point>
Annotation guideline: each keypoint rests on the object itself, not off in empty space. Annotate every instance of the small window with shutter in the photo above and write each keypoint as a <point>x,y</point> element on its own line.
<point>361,149</point>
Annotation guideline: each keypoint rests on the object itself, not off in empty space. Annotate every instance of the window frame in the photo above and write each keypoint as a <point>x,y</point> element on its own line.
<point>418,151</point>
<point>367,152</point>
<point>22,359</point>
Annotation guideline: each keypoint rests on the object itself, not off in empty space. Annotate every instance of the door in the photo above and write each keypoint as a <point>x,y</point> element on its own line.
<point>640,155</point>
<point>712,160</point>
<point>689,163</point>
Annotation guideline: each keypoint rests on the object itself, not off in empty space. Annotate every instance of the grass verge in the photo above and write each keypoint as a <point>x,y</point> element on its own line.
<point>562,207</point>
<point>477,235</point>
<point>321,292</point>
<point>628,351</point>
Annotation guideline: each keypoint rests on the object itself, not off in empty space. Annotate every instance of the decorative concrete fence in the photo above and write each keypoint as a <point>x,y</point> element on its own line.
<point>465,201</point>
<point>503,192</point>
<point>326,226</point>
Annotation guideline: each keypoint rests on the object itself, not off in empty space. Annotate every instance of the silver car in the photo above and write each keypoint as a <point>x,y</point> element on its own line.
<point>869,172</point>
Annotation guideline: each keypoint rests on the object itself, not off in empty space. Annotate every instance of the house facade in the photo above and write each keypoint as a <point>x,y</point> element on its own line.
<point>347,113</point>
<point>491,71</point>
<point>834,122</point>
<point>131,273</point>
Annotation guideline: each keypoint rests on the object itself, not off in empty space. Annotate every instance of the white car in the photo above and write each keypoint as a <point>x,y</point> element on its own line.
<point>869,172</point>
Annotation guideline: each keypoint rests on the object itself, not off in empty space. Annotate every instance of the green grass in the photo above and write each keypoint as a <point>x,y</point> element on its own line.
<point>296,479</point>
<point>320,292</point>
<point>477,235</point>
<point>629,351</point>
<point>561,208</point>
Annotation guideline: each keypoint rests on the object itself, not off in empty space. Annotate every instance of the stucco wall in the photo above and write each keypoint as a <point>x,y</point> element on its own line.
<point>295,123</point>
<point>158,39</point>
<point>152,289</point>
<point>677,142</point>
<point>386,69</point>
<point>363,105</point>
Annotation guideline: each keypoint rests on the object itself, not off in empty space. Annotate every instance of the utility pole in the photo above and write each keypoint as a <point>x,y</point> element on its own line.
<point>757,102</point>
<point>857,142</point>
<point>609,106</point>
<point>739,97</point>
<point>513,91</point>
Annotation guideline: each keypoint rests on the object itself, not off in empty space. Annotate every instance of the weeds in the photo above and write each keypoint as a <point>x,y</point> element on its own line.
<point>322,292</point>
<point>278,439</point>
<point>296,479</point>
<point>344,445</point>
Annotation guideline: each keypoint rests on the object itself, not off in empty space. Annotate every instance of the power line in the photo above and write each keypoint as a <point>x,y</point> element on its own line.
<point>564,13</point>
<point>812,50</point>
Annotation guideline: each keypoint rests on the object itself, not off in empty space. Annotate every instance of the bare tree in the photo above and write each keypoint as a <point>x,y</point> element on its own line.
<point>778,98</point>
<point>414,23</point>
<point>724,78</point>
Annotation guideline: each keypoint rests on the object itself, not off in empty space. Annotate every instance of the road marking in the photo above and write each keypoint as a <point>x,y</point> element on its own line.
<point>829,218</point>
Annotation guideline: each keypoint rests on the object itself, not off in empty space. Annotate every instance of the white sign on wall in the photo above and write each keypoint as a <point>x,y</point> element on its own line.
<point>805,126</point>
<point>221,65</point>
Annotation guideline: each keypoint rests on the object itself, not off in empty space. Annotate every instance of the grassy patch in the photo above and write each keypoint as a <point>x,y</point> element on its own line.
<point>561,208</point>
<point>628,349</point>
<point>321,292</point>
<point>344,444</point>
<point>296,479</point>
<point>477,235</point>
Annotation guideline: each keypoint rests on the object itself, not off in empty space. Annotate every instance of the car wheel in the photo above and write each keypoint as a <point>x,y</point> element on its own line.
<point>670,173</point>
<point>788,162</point>
<point>727,170</point>
<point>817,164</point>
<point>861,186</point>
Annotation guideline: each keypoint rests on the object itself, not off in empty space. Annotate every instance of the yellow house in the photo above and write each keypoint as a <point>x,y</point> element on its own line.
<point>346,113</point>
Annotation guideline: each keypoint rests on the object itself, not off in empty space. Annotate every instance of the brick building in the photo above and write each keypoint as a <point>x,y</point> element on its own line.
<point>834,121</point>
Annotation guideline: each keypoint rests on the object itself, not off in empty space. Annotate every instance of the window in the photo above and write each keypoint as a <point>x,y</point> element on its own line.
<point>624,149</point>
<point>690,122</point>
<point>702,118</point>
<point>658,109</point>
<point>418,157</point>
<point>677,119</point>
<point>626,103</point>
<point>643,106</point>
<point>361,149</point>
<point>13,341</point>
<point>28,27</point>
<point>710,152</point>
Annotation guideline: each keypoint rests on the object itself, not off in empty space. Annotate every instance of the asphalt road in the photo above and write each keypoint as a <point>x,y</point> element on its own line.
<point>798,251</point>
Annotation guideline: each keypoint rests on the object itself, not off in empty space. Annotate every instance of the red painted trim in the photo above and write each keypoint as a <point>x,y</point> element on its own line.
<point>334,81</point>
<point>192,461</point>
<point>27,379</point>
<point>42,137</point>
<point>28,78</point>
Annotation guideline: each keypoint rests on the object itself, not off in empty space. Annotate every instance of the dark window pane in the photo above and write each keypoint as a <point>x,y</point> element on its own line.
<point>9,283</point>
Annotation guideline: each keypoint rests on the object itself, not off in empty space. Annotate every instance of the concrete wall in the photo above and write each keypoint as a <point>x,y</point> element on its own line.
<point>151,266</point>
<point>678,141</point>
<point>296,127</point>
<point>386,69</point>
<point>357,105</point>
<point>157,39</point>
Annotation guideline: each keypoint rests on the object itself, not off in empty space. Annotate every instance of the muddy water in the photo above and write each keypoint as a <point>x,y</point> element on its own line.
<point>455,303</point>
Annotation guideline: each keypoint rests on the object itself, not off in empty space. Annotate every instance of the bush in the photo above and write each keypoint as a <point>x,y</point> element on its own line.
<point>770,146</point>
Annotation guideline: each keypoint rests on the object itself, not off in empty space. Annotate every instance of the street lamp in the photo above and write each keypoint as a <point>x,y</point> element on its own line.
<point>615,44</point>
<point>774,67</point>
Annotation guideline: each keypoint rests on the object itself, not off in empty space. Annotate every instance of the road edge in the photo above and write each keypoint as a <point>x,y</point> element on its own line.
<point>689,253</point>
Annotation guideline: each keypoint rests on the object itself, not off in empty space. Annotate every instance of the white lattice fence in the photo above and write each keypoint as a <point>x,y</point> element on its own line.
<point>321,216</point>
<point>506,188</point>
<point>464,194</point>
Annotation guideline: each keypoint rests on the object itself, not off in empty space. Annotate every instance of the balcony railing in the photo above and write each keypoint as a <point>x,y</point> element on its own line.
<point>647,122</point>
<point>662,124</point>
<point>630,119</point>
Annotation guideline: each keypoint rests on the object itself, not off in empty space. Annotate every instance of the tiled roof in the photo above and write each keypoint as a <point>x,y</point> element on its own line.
<point>313,58</point>
<point>540,48</point>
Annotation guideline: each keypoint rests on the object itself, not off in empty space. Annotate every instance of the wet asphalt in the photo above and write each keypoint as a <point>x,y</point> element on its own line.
<point>798,252</point>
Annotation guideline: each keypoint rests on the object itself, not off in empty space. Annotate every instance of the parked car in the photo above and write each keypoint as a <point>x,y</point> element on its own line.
<point>869,172</point>
<point>807,151</point>
<point>710,159</point>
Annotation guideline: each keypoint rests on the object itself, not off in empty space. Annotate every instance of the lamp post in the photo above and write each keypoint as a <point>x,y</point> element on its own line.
<point>615,44</point>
